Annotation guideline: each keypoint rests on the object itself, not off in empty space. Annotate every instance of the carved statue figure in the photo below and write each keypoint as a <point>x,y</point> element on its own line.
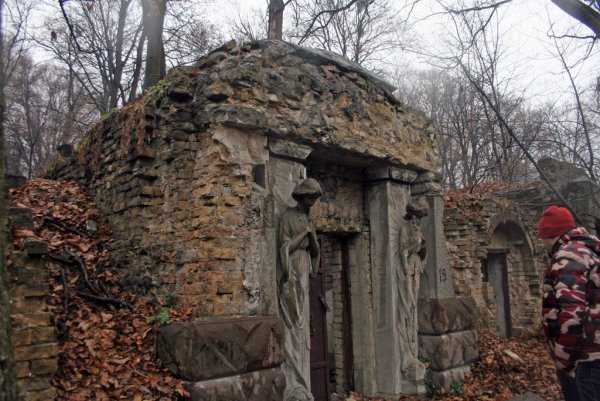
<point>412,264</point>
<point>299,256</point>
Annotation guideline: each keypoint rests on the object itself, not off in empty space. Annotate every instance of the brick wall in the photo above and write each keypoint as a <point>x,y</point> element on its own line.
<point>179,173</point>
<point>34,341</point>
<point>470,229</point>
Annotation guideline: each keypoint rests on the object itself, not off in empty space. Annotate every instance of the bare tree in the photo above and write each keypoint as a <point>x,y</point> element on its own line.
<point>587,12</point>
<point>8,391</point>
<point>99,46</point>
<point>153,23</point>
<point>362,31</point>
<point>250,28</point>
<point>188,36</point>
<point>45,108</point>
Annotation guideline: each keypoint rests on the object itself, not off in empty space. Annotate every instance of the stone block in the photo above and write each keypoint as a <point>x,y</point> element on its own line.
<point>20,217</point>
<point>40,351</point>
<point>441,316</point>
<point>446,377</point>
<point>263,385</point>
<point>236,116</point>
<point>289,149</point>
<point>48,394</point>
<point>34,247</point>
<point>14,181</point>
<point>30,290</point>
<point>35,319</point>
<point>33,383</point>
<point>448,351</point>
<point>201,350</point>
<point>44,366</point>
<point>22,369</point>
<point>21,337</point>
<point>43,335</point>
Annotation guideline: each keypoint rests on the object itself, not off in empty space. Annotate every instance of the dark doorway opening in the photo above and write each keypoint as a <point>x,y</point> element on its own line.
<point>319,364</point>
<point>331,318</point>
<point>496,270</point>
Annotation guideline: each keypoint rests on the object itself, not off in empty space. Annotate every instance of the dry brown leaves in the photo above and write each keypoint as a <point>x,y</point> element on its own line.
<point>498,376</point>
<point>107,349</point>
<point>106,343</point>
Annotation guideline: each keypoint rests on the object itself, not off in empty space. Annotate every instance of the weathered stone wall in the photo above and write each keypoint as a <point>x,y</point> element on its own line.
<point>195,175</point>
<point>181,173</point>
<point>34,340</point>
<point>477,224</point>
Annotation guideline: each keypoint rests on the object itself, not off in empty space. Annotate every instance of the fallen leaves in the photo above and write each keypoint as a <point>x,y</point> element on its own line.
<point>106,343</point>
<point>106,349</point>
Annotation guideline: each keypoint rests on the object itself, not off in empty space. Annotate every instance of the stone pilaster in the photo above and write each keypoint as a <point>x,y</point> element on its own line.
<point>387,198</point>
<point>446,324</point>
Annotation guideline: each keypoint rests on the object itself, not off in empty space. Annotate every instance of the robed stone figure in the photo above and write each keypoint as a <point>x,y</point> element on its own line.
<point>299,258</point>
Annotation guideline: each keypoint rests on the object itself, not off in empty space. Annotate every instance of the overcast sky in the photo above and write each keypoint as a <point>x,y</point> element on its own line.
<point>529,57</point>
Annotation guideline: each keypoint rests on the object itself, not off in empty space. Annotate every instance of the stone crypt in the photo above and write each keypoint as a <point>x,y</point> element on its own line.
<point>194,178</point>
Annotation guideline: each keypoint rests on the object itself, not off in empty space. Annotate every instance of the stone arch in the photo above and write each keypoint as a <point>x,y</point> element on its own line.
<point>510,271</point>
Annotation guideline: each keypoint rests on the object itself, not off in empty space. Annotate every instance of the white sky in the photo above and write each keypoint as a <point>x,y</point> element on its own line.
<point>529,58</point>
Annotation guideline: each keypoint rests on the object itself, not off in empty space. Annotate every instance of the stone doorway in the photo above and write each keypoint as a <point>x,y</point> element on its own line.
<point>496,273</point>
<point>336,264</point>
<point>319,364</point>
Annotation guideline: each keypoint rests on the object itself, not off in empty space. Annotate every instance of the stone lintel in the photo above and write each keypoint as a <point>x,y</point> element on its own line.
<point>448,351</point>
<point>398,174</point>
<point>289,150</point>
<point>426,188</point>
<point>428,176</point>
<point>442,316</point>
<point>202,350</point>
<point>237,116</point>
<point>262,385</point>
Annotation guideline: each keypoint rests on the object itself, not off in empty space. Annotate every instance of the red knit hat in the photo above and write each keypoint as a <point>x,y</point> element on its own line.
<point>555,221</point>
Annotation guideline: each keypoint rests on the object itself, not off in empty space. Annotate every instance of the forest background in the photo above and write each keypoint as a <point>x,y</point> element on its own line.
<point>505,82</point>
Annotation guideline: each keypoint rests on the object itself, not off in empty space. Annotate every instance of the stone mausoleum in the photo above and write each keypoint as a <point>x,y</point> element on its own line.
<point>194,177</point>
<point>496,258</point>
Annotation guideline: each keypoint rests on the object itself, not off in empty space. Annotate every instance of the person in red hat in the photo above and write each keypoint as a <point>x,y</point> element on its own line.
<point>571,303</point>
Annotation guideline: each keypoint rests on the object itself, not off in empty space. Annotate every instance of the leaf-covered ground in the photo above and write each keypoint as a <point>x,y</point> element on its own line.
<point>106,335</point>
<point>507,368</point>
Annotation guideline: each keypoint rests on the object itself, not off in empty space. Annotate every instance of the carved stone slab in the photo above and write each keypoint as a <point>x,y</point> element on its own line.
<point>201,350</point>
<point>289,149</point>
<point>263,385</point>
<point>441,316</point>
<point>450,350</point>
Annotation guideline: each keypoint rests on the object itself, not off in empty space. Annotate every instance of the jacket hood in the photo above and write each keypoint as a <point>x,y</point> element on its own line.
<point>579,234</point>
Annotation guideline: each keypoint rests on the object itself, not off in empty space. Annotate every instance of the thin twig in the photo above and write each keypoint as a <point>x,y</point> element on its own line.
<point>61,226</point>
<point>81,265</point>
<point>65,290</point>
<point>113,301</point>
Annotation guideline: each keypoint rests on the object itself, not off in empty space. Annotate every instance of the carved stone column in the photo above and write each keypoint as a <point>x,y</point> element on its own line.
<point>387,197</point>
<point>446,323</point>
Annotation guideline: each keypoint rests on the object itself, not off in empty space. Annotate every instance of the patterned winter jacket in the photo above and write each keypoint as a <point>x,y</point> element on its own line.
<point>571,300</point>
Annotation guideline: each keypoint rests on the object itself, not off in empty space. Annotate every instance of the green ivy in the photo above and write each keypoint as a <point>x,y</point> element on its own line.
<point>162,317</point>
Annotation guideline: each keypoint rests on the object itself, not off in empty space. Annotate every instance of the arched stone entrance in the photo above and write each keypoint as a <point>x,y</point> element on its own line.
<point>510,274</point>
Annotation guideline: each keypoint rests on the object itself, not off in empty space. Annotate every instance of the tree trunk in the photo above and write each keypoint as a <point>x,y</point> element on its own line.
<point>584,13</point>
<point>275,19</point>
<point>154,18</point>
<point>8,391</point>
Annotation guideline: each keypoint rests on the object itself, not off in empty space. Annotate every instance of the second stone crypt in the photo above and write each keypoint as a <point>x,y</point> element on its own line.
<point>196,176</point>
